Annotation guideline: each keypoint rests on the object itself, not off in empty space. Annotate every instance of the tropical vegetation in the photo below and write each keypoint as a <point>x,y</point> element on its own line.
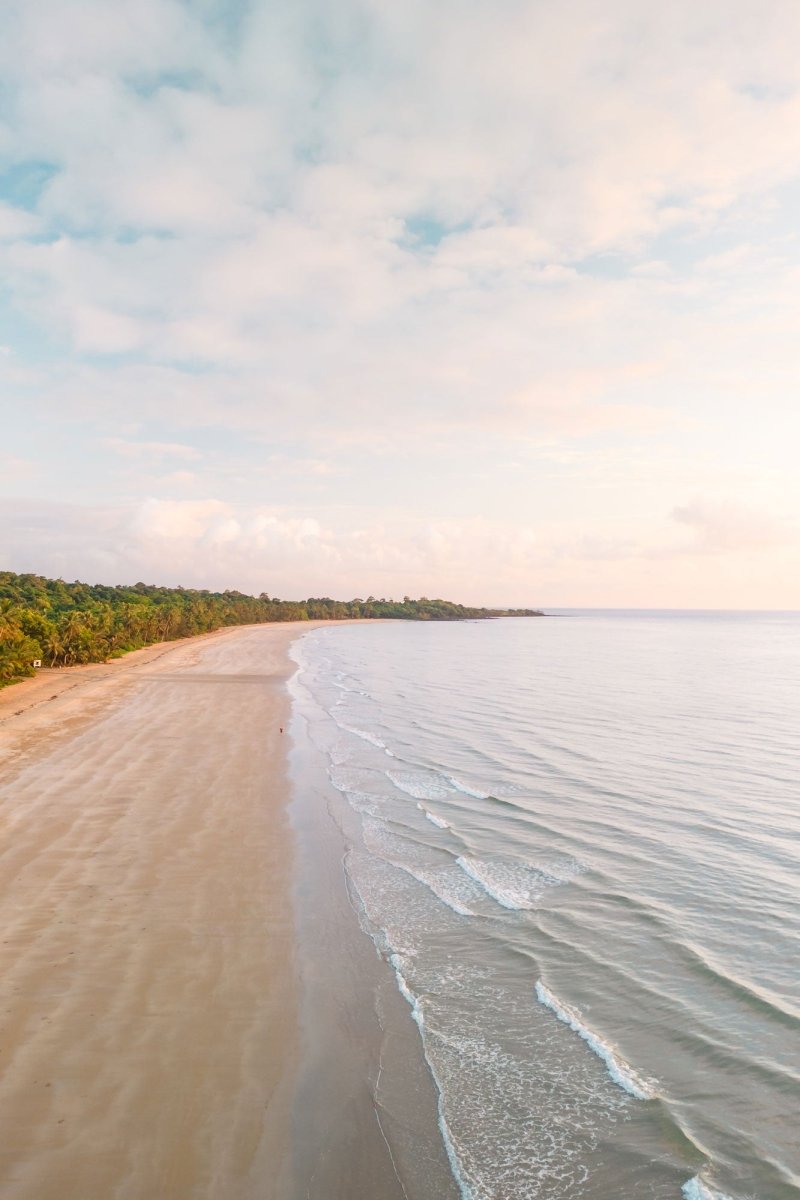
<point>61,623</point>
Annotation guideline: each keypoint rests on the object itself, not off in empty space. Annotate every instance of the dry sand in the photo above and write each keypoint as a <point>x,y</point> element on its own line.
<point>147,985</point>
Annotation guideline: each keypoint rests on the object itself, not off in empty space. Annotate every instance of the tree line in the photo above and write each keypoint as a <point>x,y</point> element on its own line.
<point>66,623</point>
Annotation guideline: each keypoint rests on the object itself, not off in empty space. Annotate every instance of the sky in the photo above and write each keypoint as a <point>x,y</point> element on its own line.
<point>498,302</point>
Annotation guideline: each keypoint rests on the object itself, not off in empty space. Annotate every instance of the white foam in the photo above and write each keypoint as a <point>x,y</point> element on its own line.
<point>363,802</point>
<point>455,1166</point>
<point>466,789</point>
<point>439,822</point>
<point>449,887</point>
<point>346,777</point>
<point>366,736</point>
<point>338,681</point>
<point>382,842</point>
<point>505,883</point>
<point>405,990</point>
<point>562,870</point>
<point>695,1189</point>
<point>340,755</point>
<point>447,1138</point>
<point>418,785</point>
<point>620,1071</point>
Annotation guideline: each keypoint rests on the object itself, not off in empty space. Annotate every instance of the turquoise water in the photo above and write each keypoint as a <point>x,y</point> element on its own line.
<point>577,848</point>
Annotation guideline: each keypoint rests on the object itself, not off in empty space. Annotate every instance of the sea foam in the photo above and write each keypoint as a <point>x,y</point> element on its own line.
<point>419,785</point>
<point>439,822</point>
<point>447,1137</point>
<point>405,990</point>
<point>466,789</point>
<point>447,885</point>
<point>365,736</point>
<point>511,885</point>
<point>695,1189</point>
<point>620,1071</point>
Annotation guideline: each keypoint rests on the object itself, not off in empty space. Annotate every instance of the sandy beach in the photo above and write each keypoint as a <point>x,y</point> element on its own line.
<point>148,986</point>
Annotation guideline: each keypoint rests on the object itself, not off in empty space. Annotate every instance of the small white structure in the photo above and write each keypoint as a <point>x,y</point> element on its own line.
<point>37,662</point>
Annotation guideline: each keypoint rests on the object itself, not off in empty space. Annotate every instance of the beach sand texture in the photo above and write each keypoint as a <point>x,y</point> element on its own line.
<point>147,994</point>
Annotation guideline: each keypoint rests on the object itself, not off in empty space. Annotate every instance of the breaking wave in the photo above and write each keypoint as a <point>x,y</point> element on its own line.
<point>620,1071</point>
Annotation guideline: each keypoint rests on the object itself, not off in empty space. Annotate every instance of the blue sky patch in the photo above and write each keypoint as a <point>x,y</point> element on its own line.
<point>23,183</point>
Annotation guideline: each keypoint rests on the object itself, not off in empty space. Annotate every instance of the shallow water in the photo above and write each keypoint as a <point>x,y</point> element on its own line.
<point>574,841</point>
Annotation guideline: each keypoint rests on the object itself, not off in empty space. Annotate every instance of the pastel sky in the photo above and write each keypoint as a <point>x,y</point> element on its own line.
<point>492,301</point>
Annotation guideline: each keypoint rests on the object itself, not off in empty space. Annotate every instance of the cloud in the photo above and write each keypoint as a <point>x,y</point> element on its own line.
<point>726,527</point>
<point>421,242</point>
<point>187,520</point>
<point>102,332</point>
<point>136,450</point>
<point>325,237</point>
<point>180,478</point>
<point>15,223</point>
<point>15,470</point>
<point>216,544</point>
<point>210,542</point>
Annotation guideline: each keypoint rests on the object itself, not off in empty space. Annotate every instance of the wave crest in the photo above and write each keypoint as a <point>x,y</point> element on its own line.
<point>419,784</point>
<point>512,885</point>
<point>695,1189</point>
<point>620,1071</point>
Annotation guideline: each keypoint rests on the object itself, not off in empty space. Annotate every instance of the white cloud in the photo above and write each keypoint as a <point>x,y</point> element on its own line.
<point>378,231</point>
<point>150,450</point>
<point>16,223</point>
<point>182,479</point>
<point>15,470</point>
<point>99,331</point>
<point>190,520</point>
<point>727,527</point>
<point>213,543</point>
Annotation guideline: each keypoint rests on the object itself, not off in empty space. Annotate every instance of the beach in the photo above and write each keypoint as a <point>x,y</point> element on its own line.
<point>149,1033</point>
<point>189,1006</point>
<point>400,950</point>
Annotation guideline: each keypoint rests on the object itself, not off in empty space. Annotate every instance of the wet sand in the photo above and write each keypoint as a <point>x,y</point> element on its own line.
<point>148,1033</point>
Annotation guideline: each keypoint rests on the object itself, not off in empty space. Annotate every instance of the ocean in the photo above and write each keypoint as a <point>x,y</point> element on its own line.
<point>569,845</point>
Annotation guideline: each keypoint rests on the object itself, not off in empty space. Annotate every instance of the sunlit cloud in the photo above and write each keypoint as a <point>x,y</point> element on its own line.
<point>314,260</point>
<point>127,448</point>
<point>728,527</point>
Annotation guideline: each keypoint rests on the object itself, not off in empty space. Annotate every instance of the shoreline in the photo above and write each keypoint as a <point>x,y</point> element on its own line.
<point>366,1115</point>
<point>150,1011</point>
<point>190,1004</point>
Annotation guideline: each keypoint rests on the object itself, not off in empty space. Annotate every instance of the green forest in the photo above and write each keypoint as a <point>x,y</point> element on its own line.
<point>66,623</point>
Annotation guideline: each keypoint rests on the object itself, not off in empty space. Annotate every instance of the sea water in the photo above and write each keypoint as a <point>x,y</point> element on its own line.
<point>574,841</point>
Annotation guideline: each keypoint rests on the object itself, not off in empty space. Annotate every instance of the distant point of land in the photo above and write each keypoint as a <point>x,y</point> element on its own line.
<point>59,624</point>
